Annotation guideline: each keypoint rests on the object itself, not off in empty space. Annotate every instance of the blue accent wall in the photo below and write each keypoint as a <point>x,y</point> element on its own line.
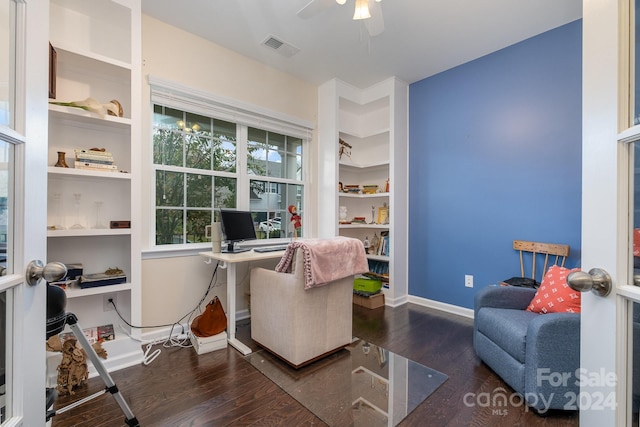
<point>495,156</point>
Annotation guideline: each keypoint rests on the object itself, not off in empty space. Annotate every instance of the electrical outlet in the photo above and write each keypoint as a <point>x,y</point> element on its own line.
<point>106,305</point>
<point>468,280</point>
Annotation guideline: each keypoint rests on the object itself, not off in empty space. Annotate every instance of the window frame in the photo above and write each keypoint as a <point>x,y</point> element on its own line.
<point>244,116</point>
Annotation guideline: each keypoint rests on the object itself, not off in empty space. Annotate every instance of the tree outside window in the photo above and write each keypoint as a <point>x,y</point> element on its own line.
<point>195,162</point>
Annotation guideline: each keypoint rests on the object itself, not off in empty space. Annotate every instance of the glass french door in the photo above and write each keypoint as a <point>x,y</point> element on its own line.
<point>23,140</point>
<point>610,329</point>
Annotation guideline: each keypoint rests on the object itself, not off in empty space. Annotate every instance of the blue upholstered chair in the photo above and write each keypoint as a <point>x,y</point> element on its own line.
<point>538,355</point>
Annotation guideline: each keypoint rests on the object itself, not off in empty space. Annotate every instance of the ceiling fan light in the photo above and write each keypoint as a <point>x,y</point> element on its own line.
<point>362,10</point>
<point>341,2</point>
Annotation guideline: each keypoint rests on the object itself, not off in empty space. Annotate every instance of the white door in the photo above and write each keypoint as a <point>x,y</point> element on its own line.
<point>610,212</point>
<point>23,141</point>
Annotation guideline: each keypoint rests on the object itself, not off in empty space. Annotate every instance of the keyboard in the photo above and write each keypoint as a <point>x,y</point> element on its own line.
<point>270,248</point>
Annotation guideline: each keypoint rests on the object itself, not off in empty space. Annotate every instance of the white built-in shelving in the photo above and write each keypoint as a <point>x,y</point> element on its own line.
<point>98,49</point>
<point>373,121</point>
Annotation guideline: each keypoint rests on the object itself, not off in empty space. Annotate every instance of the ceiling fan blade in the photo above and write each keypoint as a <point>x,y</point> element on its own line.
<point>313,8</point>
<point>375,24</point>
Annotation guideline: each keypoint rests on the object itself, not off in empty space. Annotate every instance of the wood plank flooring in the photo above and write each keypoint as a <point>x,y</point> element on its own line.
<point>221,388</point>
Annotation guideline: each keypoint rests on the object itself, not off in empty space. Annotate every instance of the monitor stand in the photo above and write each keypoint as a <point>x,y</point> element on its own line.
<point>230,248</point>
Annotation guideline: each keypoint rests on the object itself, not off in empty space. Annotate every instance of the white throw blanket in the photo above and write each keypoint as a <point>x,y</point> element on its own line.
<point>326,260</point>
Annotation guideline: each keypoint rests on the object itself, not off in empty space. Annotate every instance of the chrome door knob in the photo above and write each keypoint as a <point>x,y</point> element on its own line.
<point>51,272</point>
<point>596,280</point>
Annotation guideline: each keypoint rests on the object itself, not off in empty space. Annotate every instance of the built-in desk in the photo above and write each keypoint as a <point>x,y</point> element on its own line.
<point>230,262</point>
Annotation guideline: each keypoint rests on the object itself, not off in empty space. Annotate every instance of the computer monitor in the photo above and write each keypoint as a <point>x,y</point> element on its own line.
<point>237,226</point>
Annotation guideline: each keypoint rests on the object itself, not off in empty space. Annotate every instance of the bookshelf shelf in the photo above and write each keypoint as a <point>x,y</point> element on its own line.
<point>365,226</point>
<point>382,258</point>
<point>80,116</point>
<point>72,172</point>
<point>364,196</point>
<point>89,232</point>
<point>100,290</point>
<point>369,150</point>
<point>93,61</point>
<point>369,165</point>
<point>92,65</point>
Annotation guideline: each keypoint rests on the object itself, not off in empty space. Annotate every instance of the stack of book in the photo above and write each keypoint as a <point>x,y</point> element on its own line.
<point>352,189</point>
<point>95,280</point>
<point>94,160</point>
<point>94,334</point>
<point>369,189</point>
<point>206,344</point>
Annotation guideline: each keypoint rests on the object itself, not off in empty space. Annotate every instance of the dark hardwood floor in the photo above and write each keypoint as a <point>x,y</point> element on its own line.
<point>221,388</point>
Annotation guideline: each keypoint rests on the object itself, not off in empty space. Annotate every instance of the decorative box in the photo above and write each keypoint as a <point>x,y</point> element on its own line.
<point>207,344</point>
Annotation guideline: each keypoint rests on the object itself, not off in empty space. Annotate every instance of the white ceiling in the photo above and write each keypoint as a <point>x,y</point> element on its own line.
<point>421,37</point>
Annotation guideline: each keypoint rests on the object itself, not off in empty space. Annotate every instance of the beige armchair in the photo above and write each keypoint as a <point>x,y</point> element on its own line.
<point>298,325</point>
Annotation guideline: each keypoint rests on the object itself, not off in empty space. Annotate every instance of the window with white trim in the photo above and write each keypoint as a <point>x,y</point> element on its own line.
<point>203,161</point>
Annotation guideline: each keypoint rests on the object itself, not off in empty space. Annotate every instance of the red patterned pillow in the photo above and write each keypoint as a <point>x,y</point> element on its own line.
<point>554,294</point>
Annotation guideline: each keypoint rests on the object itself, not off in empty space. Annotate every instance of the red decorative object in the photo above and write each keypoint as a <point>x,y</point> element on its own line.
<point>296,220</point>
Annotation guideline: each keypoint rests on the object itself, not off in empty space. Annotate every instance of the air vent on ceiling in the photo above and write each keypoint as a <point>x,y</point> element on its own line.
<point>282,47</point>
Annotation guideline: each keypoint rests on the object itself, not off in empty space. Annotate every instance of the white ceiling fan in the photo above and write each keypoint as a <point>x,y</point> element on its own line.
<point>370,11</point>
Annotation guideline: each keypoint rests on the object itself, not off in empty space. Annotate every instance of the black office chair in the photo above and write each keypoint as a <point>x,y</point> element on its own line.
<point>57,318</point>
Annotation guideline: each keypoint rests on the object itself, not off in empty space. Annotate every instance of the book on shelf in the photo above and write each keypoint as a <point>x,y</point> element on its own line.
<point>94,334</point>
<point>383,246</point>
<point>95,166</point>
<point>94,280</point>
<point>369,189</point>
<point>80,151</point>
<point>104,160</point>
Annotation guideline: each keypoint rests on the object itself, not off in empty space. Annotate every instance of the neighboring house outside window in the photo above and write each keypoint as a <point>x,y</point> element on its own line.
<point>203,163</point>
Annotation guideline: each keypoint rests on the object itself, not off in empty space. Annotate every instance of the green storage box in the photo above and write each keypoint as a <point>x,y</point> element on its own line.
<point>366,285</point>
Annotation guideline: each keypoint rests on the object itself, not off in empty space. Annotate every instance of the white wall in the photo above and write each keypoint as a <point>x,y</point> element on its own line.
<point>172,286</point>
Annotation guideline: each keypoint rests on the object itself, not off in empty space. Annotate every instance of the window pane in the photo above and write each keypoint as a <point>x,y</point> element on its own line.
<point>257,152</point>
<point>167,147</point>
<point>271,200</point>
<point>169,226</point>
<point>196,221</point>
<point>186,201</point>
<point>6,86</point>
<point>6,314</point>
<point>276,141</point>
<point>225,192</point>
<point>635,54</point>
<point>294,155</point>
<point>224,156</point>
<point>198,155</point>
<point>197,124</point>
<point>166,118</point>
<point>291,167</point>
<point>224,146</point>
<point>198,190</point>
<point>274,164</point>
<point>266,151</point>
<point>169,188</point>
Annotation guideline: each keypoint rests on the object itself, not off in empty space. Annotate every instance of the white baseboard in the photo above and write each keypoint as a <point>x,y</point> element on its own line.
<point>394,302</point>
<point>442,306</point>
<point>163,333</point>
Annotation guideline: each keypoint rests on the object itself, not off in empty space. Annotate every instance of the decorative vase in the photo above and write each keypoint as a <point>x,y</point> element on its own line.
<point>99,223</point>
<point>62,162</point>
<point>76,206</point>
<point>343,213</point>
<point>58,219</point>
